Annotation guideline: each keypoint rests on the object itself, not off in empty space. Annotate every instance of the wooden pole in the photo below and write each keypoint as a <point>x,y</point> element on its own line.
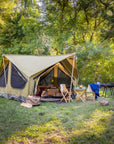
<point>72,76</point>
<point>28,85</point>
<point>5,76</point>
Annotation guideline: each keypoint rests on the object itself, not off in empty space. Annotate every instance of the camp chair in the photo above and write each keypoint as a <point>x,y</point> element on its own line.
<point>65,93</point>
<point>89,90</point>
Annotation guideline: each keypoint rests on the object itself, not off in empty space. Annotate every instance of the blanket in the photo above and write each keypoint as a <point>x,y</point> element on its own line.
<point>95,89</point>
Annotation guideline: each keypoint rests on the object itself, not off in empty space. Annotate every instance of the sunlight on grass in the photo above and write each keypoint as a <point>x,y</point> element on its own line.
<point>55,132</point>
<point>52,132</point>
<point>63,123</point>
<point>95,127</point>
<point>99,121</point>
<point>80,117</point>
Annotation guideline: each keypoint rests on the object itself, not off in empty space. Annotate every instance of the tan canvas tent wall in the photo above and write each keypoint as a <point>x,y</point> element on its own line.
<point>20,74</point>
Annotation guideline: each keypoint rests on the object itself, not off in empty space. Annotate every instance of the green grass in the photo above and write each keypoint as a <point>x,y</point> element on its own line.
<point>51,123</point>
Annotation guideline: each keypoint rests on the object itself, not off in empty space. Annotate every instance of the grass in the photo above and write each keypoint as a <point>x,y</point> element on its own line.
<point>51,123</point>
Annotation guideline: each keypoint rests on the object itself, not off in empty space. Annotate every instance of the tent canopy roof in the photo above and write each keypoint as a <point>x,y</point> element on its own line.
<point>31,65</point>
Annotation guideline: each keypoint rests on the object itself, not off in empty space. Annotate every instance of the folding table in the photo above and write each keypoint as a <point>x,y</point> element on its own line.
<point>80,94</point>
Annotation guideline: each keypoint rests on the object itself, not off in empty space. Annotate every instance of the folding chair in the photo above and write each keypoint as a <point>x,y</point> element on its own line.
<point>89,90</point>
<point>65,93</point>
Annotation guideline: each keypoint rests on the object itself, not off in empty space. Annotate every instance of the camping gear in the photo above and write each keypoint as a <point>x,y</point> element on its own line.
<point>95,89</point>
<point>27,105</point>
<point>21,75</point>
<point>104,103</point>
<point>51,93</point>
<point>33,100</point>
<point>65,93</point>
<point>89,90</point>
<point>80,94</point>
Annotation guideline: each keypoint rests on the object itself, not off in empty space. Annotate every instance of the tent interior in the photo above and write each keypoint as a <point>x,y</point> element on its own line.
<point>35,75</point>
<point>50,81</point>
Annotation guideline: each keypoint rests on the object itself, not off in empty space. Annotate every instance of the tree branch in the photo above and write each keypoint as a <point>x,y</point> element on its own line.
<point>83,36</point>
<point>106,38</point>
<point>86,17</point>
<point>91,36</point>
<point>105,4</point>
<point>79,73</point>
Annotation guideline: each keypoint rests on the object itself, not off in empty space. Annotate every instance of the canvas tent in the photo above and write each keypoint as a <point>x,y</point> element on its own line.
<point>21,74</point>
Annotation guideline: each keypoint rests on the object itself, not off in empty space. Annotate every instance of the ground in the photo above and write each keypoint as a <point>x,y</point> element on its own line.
<point>51,123</point>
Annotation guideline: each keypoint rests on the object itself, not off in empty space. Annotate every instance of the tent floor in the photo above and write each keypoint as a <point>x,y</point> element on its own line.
<point>50,99</point>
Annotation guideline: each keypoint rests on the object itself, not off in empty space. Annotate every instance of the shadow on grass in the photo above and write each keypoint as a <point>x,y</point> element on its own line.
<point>57,118</point>
<point>14,118</point>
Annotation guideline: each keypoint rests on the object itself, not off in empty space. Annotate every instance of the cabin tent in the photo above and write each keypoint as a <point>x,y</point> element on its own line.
<point>20,75</point>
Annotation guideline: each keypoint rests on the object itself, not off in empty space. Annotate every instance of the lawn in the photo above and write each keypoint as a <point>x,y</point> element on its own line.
<point>52,123</point>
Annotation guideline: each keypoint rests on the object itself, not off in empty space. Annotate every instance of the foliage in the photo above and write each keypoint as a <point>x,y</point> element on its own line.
<point>84,27</point>
<point>58,27</point>
<point>95,63</point>
<point>22,32</point>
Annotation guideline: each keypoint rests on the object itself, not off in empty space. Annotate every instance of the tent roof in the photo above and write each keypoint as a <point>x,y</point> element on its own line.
<point>31,65</point>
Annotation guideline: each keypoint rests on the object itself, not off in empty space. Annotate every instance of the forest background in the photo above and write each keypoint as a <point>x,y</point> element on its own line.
<point>54,27</point>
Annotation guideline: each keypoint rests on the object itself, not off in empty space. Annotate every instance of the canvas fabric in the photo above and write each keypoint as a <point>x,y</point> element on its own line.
<point>30,65</point>
<point>34,67</point>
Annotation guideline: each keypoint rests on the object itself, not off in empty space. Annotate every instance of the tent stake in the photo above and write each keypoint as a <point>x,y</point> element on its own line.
<point>72,77</point>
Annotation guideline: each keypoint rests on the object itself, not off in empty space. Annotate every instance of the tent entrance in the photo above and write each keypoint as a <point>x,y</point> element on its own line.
<point>47,79</point>
<point>55,76</point>
<point>63,78</point>
<point>51,81</point>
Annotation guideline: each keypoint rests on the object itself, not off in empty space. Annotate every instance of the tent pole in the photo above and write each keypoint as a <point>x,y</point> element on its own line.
<point>36,85</point>
<point>5,76</point>
<point>72,77</point>
<point>28,85</point>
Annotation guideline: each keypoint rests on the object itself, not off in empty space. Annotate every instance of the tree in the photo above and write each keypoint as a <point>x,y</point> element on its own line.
<point>84,27</point>
<point>60,27</point>
<point>22,32</point>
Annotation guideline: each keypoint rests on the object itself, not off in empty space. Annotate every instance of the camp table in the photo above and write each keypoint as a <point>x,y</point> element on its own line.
<point>80,93</point>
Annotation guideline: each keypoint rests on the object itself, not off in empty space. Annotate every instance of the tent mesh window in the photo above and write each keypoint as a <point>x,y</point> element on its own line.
<point>63,78</point>
<point>2,77</point>
<point>48,79</point>
<point>17,79</point>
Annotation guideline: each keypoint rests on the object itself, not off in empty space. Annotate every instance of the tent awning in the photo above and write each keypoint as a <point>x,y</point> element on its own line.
<point>31,65</point>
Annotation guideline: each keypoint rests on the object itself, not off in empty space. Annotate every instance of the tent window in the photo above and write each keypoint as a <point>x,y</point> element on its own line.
<point>47,79</point>
<point>17,78</point>
<point>63,78</point>
<point>2,77</point>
